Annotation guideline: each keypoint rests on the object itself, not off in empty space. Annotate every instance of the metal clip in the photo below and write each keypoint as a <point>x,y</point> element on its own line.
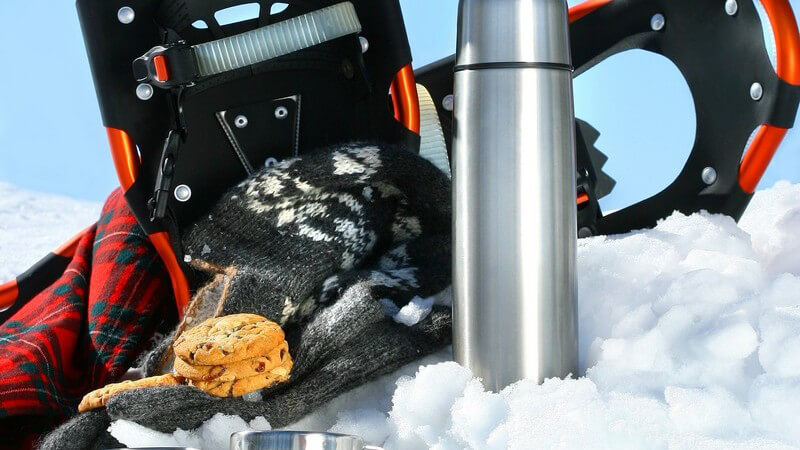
<point>158,204</point>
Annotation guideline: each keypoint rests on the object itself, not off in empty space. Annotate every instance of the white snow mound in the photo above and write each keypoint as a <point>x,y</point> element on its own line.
<point>689,338</point>
<point>33,225</point>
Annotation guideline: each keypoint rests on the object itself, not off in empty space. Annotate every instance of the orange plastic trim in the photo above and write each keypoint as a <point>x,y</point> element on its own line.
<point>758,156</point>
<point>8,294</point>
<point>160,63</point>
<point>67,250</point>
<point>394,89</point>
<point>126,160</point>
<point>405,99</point>
<point>787,41</point>
<point>123,153</point>
<point>180,285</point>
<point>584,9</point>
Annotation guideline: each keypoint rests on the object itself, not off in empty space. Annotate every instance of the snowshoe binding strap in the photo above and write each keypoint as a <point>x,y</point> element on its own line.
<point>721,53</point>
<point>432,144</point>
<point>181,64</point>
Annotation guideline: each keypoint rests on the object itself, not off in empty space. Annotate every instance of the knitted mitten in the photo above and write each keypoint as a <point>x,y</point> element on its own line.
<point>83,432</point>
<point>376,349</point>
<point>330,246</point>
<point>286,233</point>
<point>379,348</point>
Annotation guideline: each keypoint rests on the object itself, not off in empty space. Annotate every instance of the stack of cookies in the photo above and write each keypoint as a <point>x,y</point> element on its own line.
<point>233,355</point>
<point>226,356</point>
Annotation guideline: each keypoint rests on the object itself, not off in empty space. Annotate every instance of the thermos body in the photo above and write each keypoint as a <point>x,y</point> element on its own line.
<point>514,193</point>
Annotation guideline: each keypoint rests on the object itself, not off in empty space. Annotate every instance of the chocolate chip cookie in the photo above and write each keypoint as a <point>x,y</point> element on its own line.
<point>228,339</point>
<point>99,398</point>
<point>236,370</point>
<point>240,387</point>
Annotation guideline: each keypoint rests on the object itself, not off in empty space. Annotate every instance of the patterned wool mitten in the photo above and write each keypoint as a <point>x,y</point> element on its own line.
<point>291,238</point>
<point>283,234</point>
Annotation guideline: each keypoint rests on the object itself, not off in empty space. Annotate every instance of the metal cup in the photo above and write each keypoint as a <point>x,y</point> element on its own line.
<point>296,440</point>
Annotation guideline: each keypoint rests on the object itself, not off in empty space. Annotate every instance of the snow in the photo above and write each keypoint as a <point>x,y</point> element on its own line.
<point>214,433</point>
<point>414,311</point>
<point>689,338</point>
<point>417,309</point>
<point>33,225</point>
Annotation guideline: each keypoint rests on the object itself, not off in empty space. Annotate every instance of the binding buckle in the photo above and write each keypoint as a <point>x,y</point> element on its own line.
<point>167,66</point>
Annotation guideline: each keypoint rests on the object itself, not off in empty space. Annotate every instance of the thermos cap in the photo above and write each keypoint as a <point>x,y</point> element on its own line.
<point>519,43</point>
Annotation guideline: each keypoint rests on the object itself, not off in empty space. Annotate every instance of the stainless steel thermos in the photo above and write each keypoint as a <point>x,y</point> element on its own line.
<point>514,192</point>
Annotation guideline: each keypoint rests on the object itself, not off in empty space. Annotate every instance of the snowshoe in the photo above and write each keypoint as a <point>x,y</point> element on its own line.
<point>719,49</point>
<point>192,104</point>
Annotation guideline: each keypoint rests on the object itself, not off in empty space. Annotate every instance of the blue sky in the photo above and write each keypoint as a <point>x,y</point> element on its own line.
<point>52,140</point>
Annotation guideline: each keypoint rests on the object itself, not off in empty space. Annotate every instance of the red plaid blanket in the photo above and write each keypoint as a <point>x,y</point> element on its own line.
<point>87,328</point>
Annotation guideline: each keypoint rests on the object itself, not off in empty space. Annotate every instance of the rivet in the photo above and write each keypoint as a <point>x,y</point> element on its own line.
<point>240,121</point>
<point>709,176</point>
<point>281,112</point>
<point>126,15</point>
<point>731,7</point>
<point>756,91</point>
<point>585,232</point>
<point>183,193</point>
<point>364,44</point>
<point>657,22</point>
<point>347,69</point>
<point>144,91</point>
<point>448,102</point>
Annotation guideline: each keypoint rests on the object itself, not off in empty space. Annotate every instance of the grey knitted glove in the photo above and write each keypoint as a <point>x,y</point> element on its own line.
<point>378,349</point>
<point>370,346</point>
<point>83,432</point>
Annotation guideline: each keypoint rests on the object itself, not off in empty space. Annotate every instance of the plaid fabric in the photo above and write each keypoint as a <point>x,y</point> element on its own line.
<point>87,328</point>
